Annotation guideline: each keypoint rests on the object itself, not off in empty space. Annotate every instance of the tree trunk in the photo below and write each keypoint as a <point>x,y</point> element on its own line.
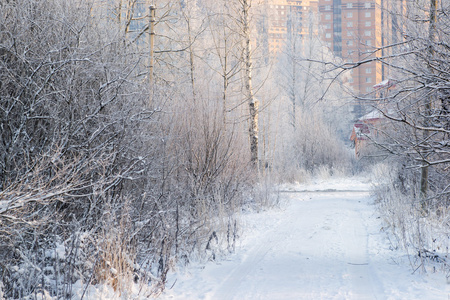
<point>252,102</point>
<point>428,100</point>
<point>152,48</point>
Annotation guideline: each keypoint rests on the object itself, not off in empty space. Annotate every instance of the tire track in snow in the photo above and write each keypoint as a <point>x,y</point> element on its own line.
<point>364,283</point>
<point>230,286</point>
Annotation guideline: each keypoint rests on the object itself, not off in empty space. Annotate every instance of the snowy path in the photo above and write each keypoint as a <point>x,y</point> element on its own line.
<point>329,236</point>
<point>323,245</point>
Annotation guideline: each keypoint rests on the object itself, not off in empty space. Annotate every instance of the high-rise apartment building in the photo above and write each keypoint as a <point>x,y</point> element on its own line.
<point>353,30</point>
<point>286,18</point>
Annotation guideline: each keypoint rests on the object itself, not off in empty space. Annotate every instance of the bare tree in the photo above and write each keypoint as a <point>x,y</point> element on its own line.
<point>97,186</point>
<point>226,44</point>
<point>253,103</point>
<point>314,117</point>
<point>428,101</point>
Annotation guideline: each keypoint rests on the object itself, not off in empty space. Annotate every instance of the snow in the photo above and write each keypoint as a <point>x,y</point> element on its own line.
<point>326,241</point>
<point>385,83</point>
<point>103,292</point>
<point>375,114</point>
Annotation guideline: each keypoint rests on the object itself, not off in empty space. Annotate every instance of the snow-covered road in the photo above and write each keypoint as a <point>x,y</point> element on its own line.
<point>325,243</point>
<point>318,249</point>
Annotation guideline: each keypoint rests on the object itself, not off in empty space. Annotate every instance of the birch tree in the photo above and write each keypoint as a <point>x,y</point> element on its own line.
<point>253,103</point>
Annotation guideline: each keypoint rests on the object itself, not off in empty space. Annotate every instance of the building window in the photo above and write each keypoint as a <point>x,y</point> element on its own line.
<point>349,15</point>
<point>368,89</point>
<point>368,23</point>
<point>327,7</point>
<point>349,33</point>
<point>349,24</point>
<point>328,26</point>
<point>368,14</point>
<point>327,17</point>
<point>349,43</point>
<point>350,80</point>
<point>368,70</point>
<point>367,5</point>
<point>282,12</point>
<point>368,79</point>
<point>349,5</point>
<point>328,35</point>
<point>367,33</point>
<point>329,44</point>
<point>369,42</point>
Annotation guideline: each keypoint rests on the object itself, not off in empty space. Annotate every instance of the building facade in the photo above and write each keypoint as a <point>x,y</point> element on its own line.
<point>287,18</point>
<point>359,31</point>
<point>353,31</point>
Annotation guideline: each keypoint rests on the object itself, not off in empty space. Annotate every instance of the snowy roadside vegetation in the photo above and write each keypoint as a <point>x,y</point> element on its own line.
<point>119,165</point>
<point>97,187</point>
<point>108,181</point>
<point>423,232</point>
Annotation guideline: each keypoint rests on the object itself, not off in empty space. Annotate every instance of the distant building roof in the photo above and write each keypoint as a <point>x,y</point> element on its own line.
<point>387,83</point>
<point>375,114</point>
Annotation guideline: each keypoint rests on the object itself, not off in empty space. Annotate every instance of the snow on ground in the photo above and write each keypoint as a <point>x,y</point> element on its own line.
<point>325,242</point>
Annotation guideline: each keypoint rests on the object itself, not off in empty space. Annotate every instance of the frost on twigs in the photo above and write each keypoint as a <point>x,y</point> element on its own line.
<point>424,235</point>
